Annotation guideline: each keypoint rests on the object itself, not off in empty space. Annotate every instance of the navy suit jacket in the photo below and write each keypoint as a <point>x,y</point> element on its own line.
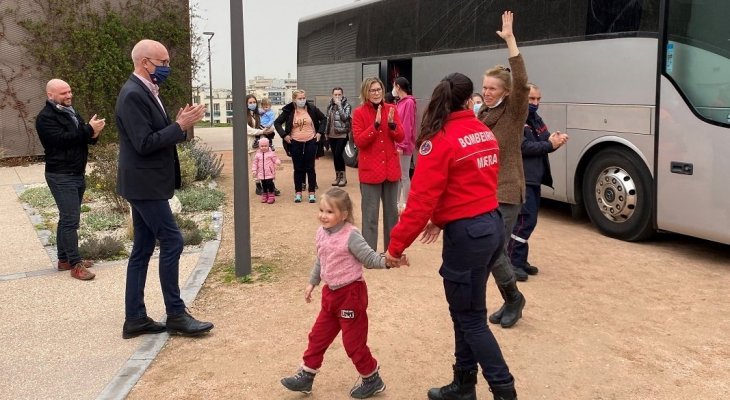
<point>148,166</point>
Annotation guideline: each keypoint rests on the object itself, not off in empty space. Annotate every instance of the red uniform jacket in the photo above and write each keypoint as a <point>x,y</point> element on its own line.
<point>377,160</point>
<point>456,178</point>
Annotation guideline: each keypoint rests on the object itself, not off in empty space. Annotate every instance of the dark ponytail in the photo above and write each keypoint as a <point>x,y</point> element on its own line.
<point>449,95</point>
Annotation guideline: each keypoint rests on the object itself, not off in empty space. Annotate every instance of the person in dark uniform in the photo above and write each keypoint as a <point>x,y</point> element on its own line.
<point>455,188</point>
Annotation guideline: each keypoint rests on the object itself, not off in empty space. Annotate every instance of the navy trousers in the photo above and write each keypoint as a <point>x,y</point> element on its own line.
<point>471,246</point>
<point>152,221</point>
<point>519,247</point>
<point>68,191</point>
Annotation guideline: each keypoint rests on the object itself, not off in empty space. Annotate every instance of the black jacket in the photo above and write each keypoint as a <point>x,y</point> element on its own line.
<point>66,145</point>
<point>535,150</point>
<point>148,165</point>
<point>286,117</point>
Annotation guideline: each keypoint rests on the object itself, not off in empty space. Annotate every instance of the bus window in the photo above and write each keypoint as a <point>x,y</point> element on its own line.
<point>698,56</point>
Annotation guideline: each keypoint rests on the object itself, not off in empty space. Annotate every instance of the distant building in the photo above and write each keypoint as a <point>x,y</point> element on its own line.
<point>222,104</point>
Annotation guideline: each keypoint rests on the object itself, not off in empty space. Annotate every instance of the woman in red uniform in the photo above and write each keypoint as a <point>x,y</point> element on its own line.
<point>455,187</point>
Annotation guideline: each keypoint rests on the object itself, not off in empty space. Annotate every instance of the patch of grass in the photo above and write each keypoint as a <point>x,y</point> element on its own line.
<point>38,197</point>
<point>102,220</point>
<point>85,208</point>
<point>208,234</point>
<point>196,199</point>
<point>264,272</point>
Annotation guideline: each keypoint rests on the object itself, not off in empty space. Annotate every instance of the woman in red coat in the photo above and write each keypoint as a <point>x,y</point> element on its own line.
<point>376,129</point>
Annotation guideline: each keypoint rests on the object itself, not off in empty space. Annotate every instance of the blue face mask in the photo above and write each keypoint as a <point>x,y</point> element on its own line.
<point>252,107</point>
<point>160,75</point>
<point>532,108</point>
<point>476,108</point>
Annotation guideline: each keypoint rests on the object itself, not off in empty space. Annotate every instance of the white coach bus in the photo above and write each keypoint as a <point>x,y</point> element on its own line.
<point>641,86</point>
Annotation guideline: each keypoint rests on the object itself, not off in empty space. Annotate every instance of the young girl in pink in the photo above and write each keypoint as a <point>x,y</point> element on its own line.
<point>341,254</point>
<point>263,168</point>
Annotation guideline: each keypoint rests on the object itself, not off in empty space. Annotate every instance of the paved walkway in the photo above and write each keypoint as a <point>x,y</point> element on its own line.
<point>61,338</point>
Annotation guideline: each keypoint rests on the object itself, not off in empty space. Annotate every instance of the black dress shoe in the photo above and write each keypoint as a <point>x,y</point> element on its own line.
<point>184,324</point>
<point>141,326</point>
<point>531,269</point>
<point>520,274</point>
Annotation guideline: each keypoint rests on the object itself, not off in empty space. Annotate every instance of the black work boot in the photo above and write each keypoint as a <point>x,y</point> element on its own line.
<point>368,387</point>
<point>462,388</point>
<point>496,317</point>
<point>514,302</point>
<point>504,391</point>
<point>299,382</point>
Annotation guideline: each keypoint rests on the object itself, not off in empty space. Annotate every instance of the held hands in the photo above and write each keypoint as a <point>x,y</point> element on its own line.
<point>97,125</point>
<point>189,115</point>
<point>507,19</point>
<point>308,293</point>
<point>430,233</point>
<point>393,262</point>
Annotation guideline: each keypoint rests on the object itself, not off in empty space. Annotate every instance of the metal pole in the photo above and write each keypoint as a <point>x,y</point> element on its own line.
<point>241,211</point>
<point>210,77</point>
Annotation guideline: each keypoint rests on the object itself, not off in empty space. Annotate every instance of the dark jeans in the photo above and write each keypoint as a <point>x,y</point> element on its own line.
<point>68,191</point>
<point>303,155</point>
<point>338,146</point>
<point>153,220</point>
<point>471,247</point>
<point>519,247</point>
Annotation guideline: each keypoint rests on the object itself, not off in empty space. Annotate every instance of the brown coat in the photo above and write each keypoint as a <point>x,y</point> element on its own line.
<point>507,121</point>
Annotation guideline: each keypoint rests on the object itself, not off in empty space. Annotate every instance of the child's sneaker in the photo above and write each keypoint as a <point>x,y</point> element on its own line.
<point>299,382</point>
<point>298,197</point>
<point>312,198</point>
<point>368,387</point>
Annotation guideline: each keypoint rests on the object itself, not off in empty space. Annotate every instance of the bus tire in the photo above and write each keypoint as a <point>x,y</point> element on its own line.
<point>618,193</point>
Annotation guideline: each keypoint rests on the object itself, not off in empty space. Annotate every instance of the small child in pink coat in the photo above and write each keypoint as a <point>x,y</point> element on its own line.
<point>263,168</point>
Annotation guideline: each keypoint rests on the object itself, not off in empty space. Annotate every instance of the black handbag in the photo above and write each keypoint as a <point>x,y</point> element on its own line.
<point>350,152</point>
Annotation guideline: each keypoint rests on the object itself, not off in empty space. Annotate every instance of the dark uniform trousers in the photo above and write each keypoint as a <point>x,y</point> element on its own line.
<point>471,246</point>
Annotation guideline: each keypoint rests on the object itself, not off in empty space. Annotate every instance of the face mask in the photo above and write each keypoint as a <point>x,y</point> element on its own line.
<point>301,103</point>
<point>532,108</point>
<point>476,108</point>
<point>498,102</point>
<point>394,92</point>
<point>252,107</point>
<point>160,75</point>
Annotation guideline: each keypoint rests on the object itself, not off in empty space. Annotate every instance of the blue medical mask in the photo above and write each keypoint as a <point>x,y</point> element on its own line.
<point>476,108</point>
<point>160,74</point>
<point>532,108</point>
<point>252,107</point>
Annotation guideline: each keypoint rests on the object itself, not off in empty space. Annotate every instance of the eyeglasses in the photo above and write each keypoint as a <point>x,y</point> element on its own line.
<point>164,63</point>
<point>375,90</point>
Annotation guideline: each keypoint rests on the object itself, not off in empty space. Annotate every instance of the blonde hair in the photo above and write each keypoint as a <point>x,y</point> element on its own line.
<point>340,200</point>
<point>265,102</point>
<point>297,92</point>
<point>365,87</point>
<point>503,74</point>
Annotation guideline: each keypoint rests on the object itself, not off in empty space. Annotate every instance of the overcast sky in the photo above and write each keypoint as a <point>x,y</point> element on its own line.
<point>270,33</point>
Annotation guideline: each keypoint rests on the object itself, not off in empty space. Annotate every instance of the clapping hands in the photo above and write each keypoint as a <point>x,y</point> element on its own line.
<point>97,124</point>
<point>189,115</point>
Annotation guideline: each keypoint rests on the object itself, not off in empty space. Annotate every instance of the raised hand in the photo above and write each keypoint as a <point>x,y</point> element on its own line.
<point>507,19</point>
<point>97,125</point>
<point>189,115</point>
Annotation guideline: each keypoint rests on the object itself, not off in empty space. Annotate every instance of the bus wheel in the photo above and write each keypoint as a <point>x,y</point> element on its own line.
<point>617,193</point>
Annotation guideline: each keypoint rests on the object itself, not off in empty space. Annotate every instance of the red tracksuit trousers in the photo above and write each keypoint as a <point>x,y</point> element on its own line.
<point>342,309</point>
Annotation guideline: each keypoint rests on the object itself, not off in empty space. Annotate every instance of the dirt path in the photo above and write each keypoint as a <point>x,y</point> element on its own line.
<point>604,319</point>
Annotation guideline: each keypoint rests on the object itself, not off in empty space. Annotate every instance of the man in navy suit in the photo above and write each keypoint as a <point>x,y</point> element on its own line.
<point>148,174</point>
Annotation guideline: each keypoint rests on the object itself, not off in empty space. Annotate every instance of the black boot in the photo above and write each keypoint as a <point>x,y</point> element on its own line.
<point>496,317</point>
<point>504,391</point>
<point>462,388</point>
<point>514,302</point>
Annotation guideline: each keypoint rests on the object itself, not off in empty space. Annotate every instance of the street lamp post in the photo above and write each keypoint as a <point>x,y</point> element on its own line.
<point>210,77</point>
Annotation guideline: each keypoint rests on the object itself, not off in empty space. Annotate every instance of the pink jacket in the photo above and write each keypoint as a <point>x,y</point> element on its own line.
<point>407,112</point>
<point>264,165</point>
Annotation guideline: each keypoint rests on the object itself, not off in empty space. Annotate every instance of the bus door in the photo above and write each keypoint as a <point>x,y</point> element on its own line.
<point>693,115</point>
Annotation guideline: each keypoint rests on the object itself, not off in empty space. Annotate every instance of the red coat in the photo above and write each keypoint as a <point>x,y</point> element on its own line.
<point>378,160</point>
<point>456,178</point>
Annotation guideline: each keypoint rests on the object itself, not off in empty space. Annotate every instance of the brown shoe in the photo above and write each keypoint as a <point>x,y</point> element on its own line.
<point>66,266</point>
<point>81,273</point>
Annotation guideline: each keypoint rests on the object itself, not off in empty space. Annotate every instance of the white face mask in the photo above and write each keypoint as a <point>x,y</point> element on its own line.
<point>394,92</point>
<point>498,102</point>
<point>301,103</point>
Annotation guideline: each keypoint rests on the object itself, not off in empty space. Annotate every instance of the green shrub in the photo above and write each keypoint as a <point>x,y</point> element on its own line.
<point>85,208</point>
<point>102,249</point>
<point>103,176</point>
<point>190,231</point>
<point>209,164</point>
<point>195,199</point>
<point>38,197</point>
<point>188,168</point>
<point>102,220</point>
